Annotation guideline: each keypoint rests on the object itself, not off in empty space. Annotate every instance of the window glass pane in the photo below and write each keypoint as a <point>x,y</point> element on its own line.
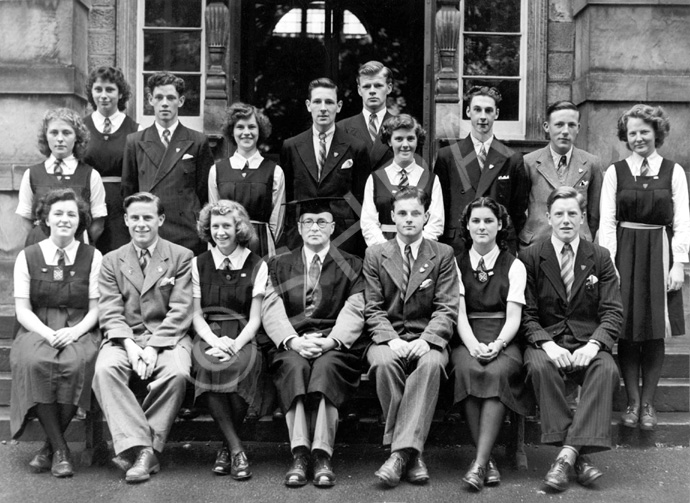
<point>176,51</point>
<point>192,102</point>
<point>509,108</point>
<point>492,55</point>
<point>492,15</point>
<point>167,13</point>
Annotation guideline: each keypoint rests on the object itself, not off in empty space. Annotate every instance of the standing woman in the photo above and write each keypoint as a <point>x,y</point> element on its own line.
<point>108,93</point>
<point>404,135</point>
<point>488,367</point>
<point>54,352</point>
<point>228,283</point>
<point>248,178</point>
<point>645,224</point>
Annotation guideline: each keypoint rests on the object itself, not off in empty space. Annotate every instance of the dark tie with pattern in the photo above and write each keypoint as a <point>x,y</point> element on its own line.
<point>225,265</point>
<point>144,256</point>
<point>322,154</point>
<point>407,267</point>
<point>567,268</point>
<point>482,275</point>
<point>404,180</point>
<point>57,168</point>
<point>166,137</point>
<point>107,127</point>
<point>59,271</point>
<point>373,129</point>
<point>313,290</point>
<point>644,170</point>
<point>562,166</point>
<point>481,157</point>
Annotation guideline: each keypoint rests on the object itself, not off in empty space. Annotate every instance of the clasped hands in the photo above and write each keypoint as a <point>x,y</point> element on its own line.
<point>312,345</point>
<point>142,360</point>
<point>224,348</point>
<point>410,350</point>
<point>564,359</point>
<point>484,353</point>
<point>64,337</point>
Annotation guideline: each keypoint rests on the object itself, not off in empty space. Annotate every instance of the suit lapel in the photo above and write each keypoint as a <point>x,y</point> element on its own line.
<point>577,170</point>
<point>392,263</point>
<point>377,149</point>
<point>547,169</point>
<point>339,147</point>
<point>472,167</point>
<point>584,262</point>
<point>421,268</point>
<point>152,146</point>
<point>157,267</point>
<point>130,268</point>
<point>494,162</point>
<point>551,268</point>
<point>359,129</point>
<point>305,149</point>
<point>179,144</point>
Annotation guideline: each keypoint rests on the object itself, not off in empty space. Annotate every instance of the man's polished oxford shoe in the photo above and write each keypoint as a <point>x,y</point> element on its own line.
<point>296,476</point>
<point>62,465</point>
<point>558,476</point>
<point>474,477</point>
<point>417,472</point>
<point>145,464</point>
<point>239,467</point>
<point>324,476</point>
<point>493,476</point>
<point>42,461</point>
<point>631,416</point>
<point>222,464</point>
<point>391,471</point>
<point>585,471</point>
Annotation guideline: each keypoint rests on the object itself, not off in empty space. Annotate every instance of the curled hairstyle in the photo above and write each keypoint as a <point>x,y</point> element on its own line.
<point>491,92</point>
<point>499,212</point>
<point>74,120</point>
<point>244,230</point>
<point>561,105</point>
<point>57,195</point>
<point>114,76</point>
<point>322,82</point>
<point>566,192</point>
<point>402,121</point>
<point>373,68</point>
<point>411,192</point>
<point>654,116</point>
<point>165,79</point>
<point>144,197</point>
<point>238,111</point>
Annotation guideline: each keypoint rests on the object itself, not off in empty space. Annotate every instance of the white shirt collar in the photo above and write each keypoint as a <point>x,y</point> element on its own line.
<point>309,254</point>
<point>70,251</point>
<point>236,258</point>
<point>151,248</point>
<point>489,258</point>
<point>237,161</point>
<point>116,120</point>
<point>558,246</point>
<point>329,133</point>
<point>379,117</point>
<point>414,247</point>
<point>172,129</point>
<point>557,157</point>
<point>654,161</point>
<point>478,144</point>
<point>69,164</point>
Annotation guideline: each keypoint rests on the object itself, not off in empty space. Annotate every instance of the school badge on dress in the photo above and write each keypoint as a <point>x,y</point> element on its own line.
<point>58,274</point>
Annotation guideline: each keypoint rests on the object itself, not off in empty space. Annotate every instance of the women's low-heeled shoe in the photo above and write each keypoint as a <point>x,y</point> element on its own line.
<point>62,466</point>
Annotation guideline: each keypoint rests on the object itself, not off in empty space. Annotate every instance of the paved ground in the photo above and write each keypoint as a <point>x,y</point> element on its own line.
<point>660,474</point>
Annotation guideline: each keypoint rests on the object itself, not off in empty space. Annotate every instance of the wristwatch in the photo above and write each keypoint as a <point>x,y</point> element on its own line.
<point>594,341</point>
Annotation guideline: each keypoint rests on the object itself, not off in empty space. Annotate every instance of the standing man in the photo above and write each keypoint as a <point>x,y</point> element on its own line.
<point>571,320</point>
<point>411,310</point>
<point>170,161</point>
<point>559,164</point>
<point>374,84</point>
<point>145,311</point>
<point>479,166</point>
<point>324,161</point>
<point>314,313</point>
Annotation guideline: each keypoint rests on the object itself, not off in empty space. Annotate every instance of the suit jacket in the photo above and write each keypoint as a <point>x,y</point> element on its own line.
<point>430,307</point>
<point>503,179</point>
<point>380,154</point>
<point>178,175</point>
<point>155,310</point>
<point>595,309</point>
<point>339,315</point>
<point>585,173</point>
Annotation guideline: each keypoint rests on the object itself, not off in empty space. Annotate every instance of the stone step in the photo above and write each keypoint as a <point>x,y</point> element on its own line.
<point>7,325</point>
<point>672,395</point>
<point>5,387</point>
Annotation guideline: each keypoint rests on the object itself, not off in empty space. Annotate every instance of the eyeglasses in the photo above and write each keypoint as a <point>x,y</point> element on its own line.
<point>308,223</point>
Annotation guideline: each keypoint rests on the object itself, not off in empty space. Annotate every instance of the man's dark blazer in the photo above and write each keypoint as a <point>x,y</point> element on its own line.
<point>380,154</point>
<point>344,174</point>
<point>503,179</point>
<point>178,175</point>
<point>595,310</point>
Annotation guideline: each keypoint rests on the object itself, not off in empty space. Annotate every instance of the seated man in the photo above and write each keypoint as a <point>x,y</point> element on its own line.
<point>313,312</point>
<point>571,320</point>
<point>411,309</point>
<point>145,311</point>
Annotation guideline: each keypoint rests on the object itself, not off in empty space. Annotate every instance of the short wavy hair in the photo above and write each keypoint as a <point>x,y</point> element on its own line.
<point>412,192</point>
<point>74,120</point>
<point>57,195</point>
<point>373,68</point>
<point>497,209</point>
<point>114,76</point>
<point>237,111</point>
<point>402,121</point>
<point>324,82</point>
<point>566,192</point>
<point>165,79</point>
<point>654,116</point>
<point>491,92</point>
<point>244,230</point>
<point>144,197</point>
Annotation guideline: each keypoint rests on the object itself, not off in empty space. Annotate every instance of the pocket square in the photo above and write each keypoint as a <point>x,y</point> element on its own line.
<point>167,281</point>
<point>425,284</point>
<point>187,156</point>
<point>504,177</point>
<point>591,281</point>
<point>347,164</point>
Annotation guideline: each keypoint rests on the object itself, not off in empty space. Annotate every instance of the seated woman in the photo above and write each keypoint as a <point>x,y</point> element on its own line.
<point>228,283</point>
<point>54,352</point>
<point>488,368</point>
<point>404,134</point>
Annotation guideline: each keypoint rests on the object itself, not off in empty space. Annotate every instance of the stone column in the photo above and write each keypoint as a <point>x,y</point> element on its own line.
<point>217,30</point>
<point>448,113</point>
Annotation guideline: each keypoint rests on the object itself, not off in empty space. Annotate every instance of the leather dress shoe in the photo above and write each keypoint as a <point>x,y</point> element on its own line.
<point>222,464</point>
<point>239,469</point>
<point>585,471</point>
<point>122,462</point>
<point>278,415</point>
<point>417,472</point>
<point>296,476</point>
<point>391,471</point>
<point>474,478</point>
<point>631,416</point>
<point>324,476</point>
<point>493,476</point>
<point>648,418</point>
<point>62,466</point>
<point>42,461</point>
<point>145,464</point>
<point>558,476</point>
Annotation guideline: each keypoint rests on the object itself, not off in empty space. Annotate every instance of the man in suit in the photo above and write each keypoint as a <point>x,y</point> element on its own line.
<point>411,309</point>
<point>314,313</point>
<point>145,311</point>
<point>170,161</point>
<point>571,320</point>
<point>479,166</point>
<point>558,164</point>
<point>374,84</point>
<point>324,161</point>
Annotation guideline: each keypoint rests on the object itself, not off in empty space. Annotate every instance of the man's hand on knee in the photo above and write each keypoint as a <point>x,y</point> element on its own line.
<point>583,356</point>
<point>417,349</point>
<point>149,357</point>
<point>400,347</point>
<point>560,356</point>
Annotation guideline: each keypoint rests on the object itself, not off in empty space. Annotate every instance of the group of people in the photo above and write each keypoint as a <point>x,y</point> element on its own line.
<point>482,268</point>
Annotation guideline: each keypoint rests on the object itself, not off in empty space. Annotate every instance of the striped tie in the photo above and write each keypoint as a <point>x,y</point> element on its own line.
<point>313,290</point>
<point>322,153</point>
<point>567,269</point>
<point>481,157</point>
<point>407,266</point>
<point>57,169</point>
<point>373,129</point>
<point>644,170</point>
<point>166,137</point>
<point>107,126</point>
<point>404,181</point>
<point>562,166</point>
<point>144,260</point>
<point>59,271</point>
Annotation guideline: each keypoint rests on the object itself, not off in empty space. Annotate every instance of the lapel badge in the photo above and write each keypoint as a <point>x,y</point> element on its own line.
<point>160,269</point>
<point>645,185</point>
<point>335,154</point>
<point>130,271</point>
<point>580,170</point>
<point>71,273</point>
<point>67,177</point>
<point>244,175</point>
<point>583,267</point>
<point>243,275</point>
<point>57,274</point>
<point>491,166</point>
<point>105,137</point>
<point>177,150</point>
<point>44,269</point>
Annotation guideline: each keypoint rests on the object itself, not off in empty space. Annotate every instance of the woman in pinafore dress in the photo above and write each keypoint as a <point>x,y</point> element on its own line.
<point>54,353</point>
<point>645,224</point>
<point>228,283</point>
<point>257,183</point>
<point>488,366</point>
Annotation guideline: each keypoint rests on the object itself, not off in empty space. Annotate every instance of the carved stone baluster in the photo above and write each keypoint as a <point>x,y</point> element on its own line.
<point>217,29</point>
<point>448,18</point>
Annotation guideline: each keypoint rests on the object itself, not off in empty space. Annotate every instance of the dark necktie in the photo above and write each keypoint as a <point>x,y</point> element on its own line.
<point>245,169</point>
<point>57,169</point>
<point>144,256</point>
<point>59,271</point>
<point>313,290</point>
<point>404,180</point>
<point>644,170</point>
<point>322,154</point>
<point>107,127</point>
<point>481,157</point>
<point>407,266</point>
<point>567,268</point>
<point>373,129</point>
<point>482,275</point>
<point>166,137</point>
<point>562,166</point>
